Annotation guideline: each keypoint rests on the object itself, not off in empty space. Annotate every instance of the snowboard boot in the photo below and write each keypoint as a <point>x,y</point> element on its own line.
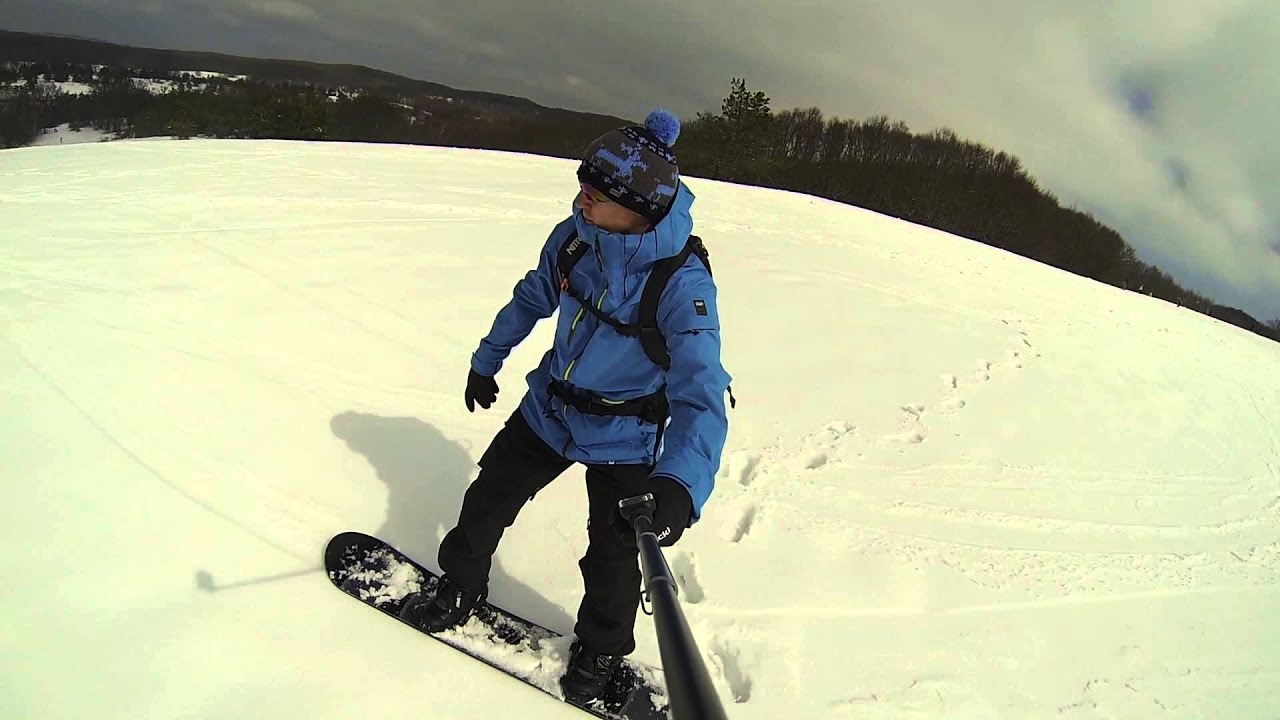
<point>451,605</point>
<point>587,674</point>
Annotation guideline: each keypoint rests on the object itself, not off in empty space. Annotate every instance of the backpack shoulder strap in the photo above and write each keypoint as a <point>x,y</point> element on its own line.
<point>700,249</point>
<point>655,346</point>
<point>571,251</point>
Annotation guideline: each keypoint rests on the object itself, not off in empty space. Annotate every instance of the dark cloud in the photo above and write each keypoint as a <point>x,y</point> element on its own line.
<point>1140,103</point>
<point>1179,173</point>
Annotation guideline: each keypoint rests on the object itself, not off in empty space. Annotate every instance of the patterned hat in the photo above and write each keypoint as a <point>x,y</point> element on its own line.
<point>634,165</point>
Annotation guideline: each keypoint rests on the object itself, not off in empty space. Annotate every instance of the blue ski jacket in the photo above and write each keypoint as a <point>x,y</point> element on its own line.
<point>590,355</point>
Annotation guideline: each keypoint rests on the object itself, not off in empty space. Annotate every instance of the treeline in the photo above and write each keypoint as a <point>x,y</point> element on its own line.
<point>126,102</point>
<point>935,179</point>
<point>60,49</point>
<point>104,97</point>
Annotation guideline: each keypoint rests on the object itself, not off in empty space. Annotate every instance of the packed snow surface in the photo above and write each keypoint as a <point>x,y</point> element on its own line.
<point>958,483</point>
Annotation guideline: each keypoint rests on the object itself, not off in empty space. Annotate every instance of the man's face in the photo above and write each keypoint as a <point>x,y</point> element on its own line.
<point>606,214</point>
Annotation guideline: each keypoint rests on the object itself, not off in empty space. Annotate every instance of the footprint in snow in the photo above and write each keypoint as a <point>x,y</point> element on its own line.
<point>744,467</point>
<point>911,437</point>
<point>744,524</point>
<point>726,659</point>
<point>930,696</point>
<point>915,432</point>
<point>816,460</point>
<point>984,371</point>
<point>1029,349</point>
<point>952,402</point>
<point>684,567</point>
<point>823,445</point>
<point>1016,357</point>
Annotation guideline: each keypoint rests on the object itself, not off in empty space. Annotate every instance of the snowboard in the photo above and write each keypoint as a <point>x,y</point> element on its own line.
<point>380,576</point>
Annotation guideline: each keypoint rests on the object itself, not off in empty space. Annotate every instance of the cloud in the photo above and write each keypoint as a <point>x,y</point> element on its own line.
<point>1179,173</point>
<point>280,9</point>
<point>1140,103</point>
<point>1158,119</point>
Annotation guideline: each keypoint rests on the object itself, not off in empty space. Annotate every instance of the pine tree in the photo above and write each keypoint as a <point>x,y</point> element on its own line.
<point>737,138</point>
<point>743,107</point>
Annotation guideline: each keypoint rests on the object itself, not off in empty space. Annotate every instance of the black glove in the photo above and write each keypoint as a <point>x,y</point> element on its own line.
<point>480,389</point>
<point>673,512</point>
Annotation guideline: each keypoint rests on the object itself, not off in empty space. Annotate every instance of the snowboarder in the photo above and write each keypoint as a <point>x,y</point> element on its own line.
<point>597,398</point>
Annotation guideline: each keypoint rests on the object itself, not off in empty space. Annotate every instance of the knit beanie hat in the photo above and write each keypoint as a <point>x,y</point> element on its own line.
<point>634,165</point>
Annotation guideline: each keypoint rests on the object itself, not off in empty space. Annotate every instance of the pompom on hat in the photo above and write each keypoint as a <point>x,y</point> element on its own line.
<point>634,165</point>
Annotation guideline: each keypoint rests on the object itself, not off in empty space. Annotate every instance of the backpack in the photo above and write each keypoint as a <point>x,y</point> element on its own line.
<point>646,325</point>
<point>652,408</point>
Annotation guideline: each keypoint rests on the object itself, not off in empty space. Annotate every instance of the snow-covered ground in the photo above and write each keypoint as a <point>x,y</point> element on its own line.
<point>210,75</point>
<point>151,85</point>
<point>61,134</point>
<point>64,135</point>
<point>71,88</point>
<point>958,483</point>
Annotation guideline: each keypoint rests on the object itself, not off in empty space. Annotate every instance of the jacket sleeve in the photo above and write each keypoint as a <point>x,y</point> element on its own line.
<point>535,297</point>
<point>694,439</point>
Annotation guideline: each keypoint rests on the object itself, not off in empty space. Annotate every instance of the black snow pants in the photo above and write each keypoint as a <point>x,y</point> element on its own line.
<point>517,465</point>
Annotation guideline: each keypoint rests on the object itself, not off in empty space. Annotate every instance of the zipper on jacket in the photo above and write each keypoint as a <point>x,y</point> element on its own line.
<point>599,306</point>
<point>574,326</point>
<point>582,310</point>
<point>573,362</point>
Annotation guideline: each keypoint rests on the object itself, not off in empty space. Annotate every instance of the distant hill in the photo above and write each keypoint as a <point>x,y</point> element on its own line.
<point>30,47</point>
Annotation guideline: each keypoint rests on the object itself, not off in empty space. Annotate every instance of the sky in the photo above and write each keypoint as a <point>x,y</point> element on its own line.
<point>1151,116</point>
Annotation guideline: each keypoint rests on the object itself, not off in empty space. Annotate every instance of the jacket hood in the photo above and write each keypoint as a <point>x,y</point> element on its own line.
<point>664,240</point>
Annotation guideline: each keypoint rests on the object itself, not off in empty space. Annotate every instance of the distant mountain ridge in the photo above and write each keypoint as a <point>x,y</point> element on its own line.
<point>51,48</point>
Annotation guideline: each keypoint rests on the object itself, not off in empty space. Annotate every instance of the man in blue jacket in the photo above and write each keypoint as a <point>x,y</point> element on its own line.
<point>592,398</point>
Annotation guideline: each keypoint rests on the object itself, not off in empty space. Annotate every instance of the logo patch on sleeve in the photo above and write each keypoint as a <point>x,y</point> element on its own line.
<point>700,307</point>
